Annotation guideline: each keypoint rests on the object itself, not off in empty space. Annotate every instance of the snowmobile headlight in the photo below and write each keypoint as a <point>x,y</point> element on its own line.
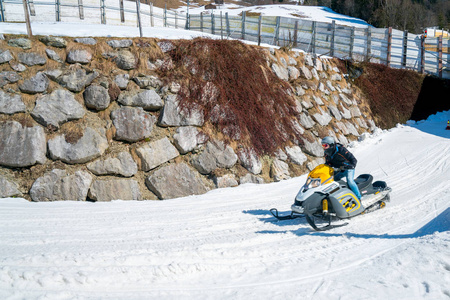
<point>312,183</point>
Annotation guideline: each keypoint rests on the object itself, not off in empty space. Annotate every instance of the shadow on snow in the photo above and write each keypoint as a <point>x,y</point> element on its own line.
<point>439,224</point>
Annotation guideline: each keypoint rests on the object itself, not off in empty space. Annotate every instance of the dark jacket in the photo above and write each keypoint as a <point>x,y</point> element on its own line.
<point>339,156</point>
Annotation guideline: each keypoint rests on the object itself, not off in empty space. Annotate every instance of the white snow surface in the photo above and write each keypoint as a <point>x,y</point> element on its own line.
<point>226,245</point>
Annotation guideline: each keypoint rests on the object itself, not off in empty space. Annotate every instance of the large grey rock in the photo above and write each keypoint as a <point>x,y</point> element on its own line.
<point>346,114</point>
<point>280,71</point>
<point>216,155</point>
<point>8,188</point>
<point>126,60</point>
<point>90,146</point>
<point>173,115</point>
<point>122,165</point>
<point>86,41</point>
<point>250,178</point>
<point>17,66</point>
<point>166,46</point>
<point>312,164</point>
<point>23,43</point>
<point>250,160</point>
<point>96,97</point>
<point>296,155</point>
<point>345,99</point>
<point>225,181</point>
<point>306,72</point>
<point>147,99</point>
<point>354,110</point>
<point>53,74</point>
<point>187,138</point>
<point>54,41</point>
<point>21,146</point>
<point>114,189</point>
<point>37,84</point>
<point>80,56</point>
<point>8,77</point>
<point>57,108</point>
<point>31,59</point>
<point>306,121</point>
<point>5,56</point>
<point>122,80</point>
<point>156,153</point>
<point>120,43</point>
<point>323,118</point>
<point>59,185</point>
<point>11,103</point>
<point>77,80</point>
<point>352,129</point>
<point>175,180</point>
<point>132,123</point>
<point>145,82</point>
<point>313,148</point>
<point>293,72</point>
<point>335,112</point>
<point>279,170</point>
<point>53,55</point>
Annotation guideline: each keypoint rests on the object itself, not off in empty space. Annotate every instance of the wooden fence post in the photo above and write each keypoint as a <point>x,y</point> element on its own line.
<point>81,9</point>
<point>122,13</point>
<point>221,26</point>
<point>31,7</point>
<point>176,19</point>
<point>313,38</point>
<point>405,48</point>
<point>440,69</point>
<point>213,27</point>
<point>389,47</point>
<point>369,44</point>
<point>277,31</point>
<point>259,29</point>
<point>27,18</point>
<point>295,33</point>
<point>58,10</point>
<point>165,15</point>
<point>422,55</point>
<point>333,32</point>
<point>138,14</point>
<point>227,24</point>
<point>243,26</point>
<point>2,12</point>
<point>102,11</point>
<point>201,21</point>
<point>352,42</point>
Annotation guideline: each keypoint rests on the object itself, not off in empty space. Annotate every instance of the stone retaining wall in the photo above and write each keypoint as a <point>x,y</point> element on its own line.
<point>72,128</point>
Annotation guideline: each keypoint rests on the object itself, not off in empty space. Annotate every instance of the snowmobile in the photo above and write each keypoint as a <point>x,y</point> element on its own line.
<point>323,200</point>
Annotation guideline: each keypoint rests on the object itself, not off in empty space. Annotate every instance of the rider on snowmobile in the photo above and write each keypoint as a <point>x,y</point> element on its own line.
<point>337,156</point>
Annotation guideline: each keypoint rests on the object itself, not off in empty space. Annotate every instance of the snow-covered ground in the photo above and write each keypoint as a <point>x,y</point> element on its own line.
<point>311,13</point>
<point>226,245</point>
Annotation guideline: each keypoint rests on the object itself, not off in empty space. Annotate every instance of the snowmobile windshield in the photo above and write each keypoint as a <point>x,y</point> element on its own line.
<point>311,183</point>
<point>322,174</point>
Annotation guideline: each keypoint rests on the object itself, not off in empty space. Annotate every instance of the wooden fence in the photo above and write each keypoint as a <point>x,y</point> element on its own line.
<point>397,49</point>
<point>388,46</point>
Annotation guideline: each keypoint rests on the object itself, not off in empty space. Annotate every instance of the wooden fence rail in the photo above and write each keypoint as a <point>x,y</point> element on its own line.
<point>398,49</point>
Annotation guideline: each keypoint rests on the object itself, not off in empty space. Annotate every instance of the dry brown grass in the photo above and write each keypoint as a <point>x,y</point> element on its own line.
<point>392,93</point>
<point>238,96</point>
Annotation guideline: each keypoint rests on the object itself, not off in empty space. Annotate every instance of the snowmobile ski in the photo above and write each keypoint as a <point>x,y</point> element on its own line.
<point>292,216</point>
<point>311,222</point>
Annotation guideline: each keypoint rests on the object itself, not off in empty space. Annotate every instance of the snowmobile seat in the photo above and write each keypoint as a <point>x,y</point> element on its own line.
<point>364,181</point>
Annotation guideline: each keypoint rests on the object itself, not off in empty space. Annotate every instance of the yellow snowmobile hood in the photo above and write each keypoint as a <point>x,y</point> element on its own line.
<point>324,172</point>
